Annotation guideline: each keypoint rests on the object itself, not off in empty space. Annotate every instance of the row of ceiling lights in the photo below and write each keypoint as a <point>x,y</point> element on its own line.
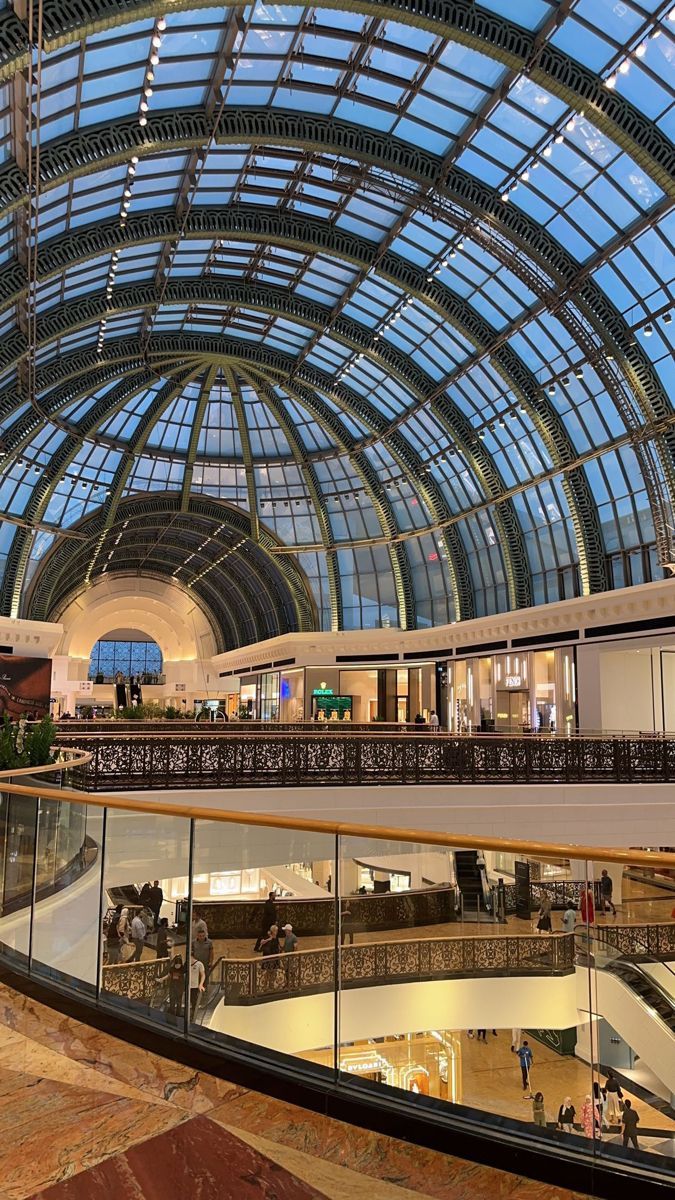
<point>639,52</point>
<point>153,61</point>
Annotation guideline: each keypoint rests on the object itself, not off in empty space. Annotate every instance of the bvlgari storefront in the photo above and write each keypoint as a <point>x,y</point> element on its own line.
<point>528,692</point>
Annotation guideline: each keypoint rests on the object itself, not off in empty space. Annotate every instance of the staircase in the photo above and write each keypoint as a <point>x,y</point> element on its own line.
<point>470,883</point>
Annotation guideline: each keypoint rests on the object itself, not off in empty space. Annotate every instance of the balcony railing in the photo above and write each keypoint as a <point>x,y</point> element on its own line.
<point>169,760</point>
<point>63,946</point>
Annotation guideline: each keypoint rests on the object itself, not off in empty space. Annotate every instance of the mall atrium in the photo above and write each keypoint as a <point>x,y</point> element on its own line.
<point>337,613</point>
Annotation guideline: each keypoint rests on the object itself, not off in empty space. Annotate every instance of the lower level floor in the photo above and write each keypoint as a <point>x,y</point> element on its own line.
<point>83,1114</point>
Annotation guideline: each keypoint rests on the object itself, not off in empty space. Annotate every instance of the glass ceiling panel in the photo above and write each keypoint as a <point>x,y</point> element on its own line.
<point>589,191</point>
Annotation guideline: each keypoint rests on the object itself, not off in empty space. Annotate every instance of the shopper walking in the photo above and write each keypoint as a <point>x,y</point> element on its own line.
<point>566,1115</point>
<point>290,939</point>
<point>538,1110</point>
<point>606,891</point>
<point>544,922</point>
<point>197,977</point>
<point>481,1035</point>
<point>163,943</point>
<point>112,937</point>
<point>525,1058</point>
<point>614,1095</point>
<point>138,936</point>
<point>176,985</point>
<point>587,907</point>
<point>630,1121</point>
<point>569,919</point>
<point>202,948</point>
<point>269,918</point>
<point>599,1101</point>
<point>155,901</point>
<point>588,1122</point>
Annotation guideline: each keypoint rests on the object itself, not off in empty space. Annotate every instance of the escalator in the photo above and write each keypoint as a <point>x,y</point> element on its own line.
<point>639,981</point>
<point>471,882</point>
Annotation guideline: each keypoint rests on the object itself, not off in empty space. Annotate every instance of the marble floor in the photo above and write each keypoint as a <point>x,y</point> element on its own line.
<point>84,1116</point>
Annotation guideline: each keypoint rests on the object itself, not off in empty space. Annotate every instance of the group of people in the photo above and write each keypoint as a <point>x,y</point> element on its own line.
<point>607,1106</point>
<point>125,935</point>
<point>273,939</point>
<point>587,907</point>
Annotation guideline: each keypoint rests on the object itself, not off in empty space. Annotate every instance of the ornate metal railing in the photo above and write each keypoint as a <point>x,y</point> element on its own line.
<point>312,918</point>
<point>144,982</point>
<point>371,963</point>
<point>250,980</point>
<point>638,941</point>
<point>295,760</point>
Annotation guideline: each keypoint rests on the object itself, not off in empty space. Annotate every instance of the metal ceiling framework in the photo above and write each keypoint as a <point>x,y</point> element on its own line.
<point>472,525</point>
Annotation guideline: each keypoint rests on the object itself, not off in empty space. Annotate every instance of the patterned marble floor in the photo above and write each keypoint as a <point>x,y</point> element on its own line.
<point>84,1116</point>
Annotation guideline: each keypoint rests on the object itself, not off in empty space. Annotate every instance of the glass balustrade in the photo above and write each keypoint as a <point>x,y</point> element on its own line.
<point>367,963</point>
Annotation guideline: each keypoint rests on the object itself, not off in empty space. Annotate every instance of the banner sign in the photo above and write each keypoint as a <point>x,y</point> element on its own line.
<point>25,686</point>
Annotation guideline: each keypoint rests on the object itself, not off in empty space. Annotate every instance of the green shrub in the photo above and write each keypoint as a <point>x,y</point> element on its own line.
<point>21,747</point>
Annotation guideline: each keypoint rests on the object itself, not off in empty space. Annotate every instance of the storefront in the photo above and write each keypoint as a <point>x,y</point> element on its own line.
<point>526,692</point>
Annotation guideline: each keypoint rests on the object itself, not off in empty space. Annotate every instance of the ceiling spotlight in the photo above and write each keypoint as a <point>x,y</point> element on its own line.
<point>142,120</point>
<point>558,139</point>
<point>154,59</point>
<point>481,434</point>
<point>648,329</point>
<point>548,151</point>
<point>147,91</point>
<point>460,244</point>
<point>610,82</point>
<point>571,125</point>
<point>150,75</point>
<point>161,24</point>
<point>444,263</point>
<point>578,372</point>
<point>641,50</point>
<point>127,192</point>
<point>157,41</point>
<point>36,470</point>
<point>134,159</point>
<point>144,106</point>
<point>505,196</point>
<point>525,175</point>
<point>667,318</point>
<point>625,66</point>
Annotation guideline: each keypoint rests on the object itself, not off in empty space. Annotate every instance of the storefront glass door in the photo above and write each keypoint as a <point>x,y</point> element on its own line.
<point>513,711</point>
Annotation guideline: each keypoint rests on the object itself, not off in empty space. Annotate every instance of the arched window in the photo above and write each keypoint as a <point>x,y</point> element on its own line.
<point>133,655</point>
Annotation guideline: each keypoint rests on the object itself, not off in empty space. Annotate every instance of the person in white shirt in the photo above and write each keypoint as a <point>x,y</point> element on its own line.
<point>138,932</point>
<point>197,977</point>
<point>434,722</point>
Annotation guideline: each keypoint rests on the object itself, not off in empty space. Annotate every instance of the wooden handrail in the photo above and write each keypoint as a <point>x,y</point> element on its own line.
<point>383,833</point>
<point>79,758</point>
<point>411,731</point>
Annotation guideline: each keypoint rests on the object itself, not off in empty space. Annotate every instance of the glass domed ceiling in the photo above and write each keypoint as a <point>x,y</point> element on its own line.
<point>338,319</point>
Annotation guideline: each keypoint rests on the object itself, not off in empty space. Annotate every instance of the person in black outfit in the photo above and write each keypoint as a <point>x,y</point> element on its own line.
<point>629,1120</point>
<point>113,940</point>
<point>269,916</point>
<point>347,926</point>
<point>163,939</point>
<point>145,895</point>
<point>155,901</point>
<point>176,985</point>
<point>270,947</point>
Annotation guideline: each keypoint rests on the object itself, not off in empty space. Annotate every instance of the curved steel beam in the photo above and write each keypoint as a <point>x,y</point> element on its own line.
<point>162,541</point>
<point>61,320</point>
<point>408,460</point>
<point>81,153</point>
<point>458,20</point>
<point>46,484</point>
